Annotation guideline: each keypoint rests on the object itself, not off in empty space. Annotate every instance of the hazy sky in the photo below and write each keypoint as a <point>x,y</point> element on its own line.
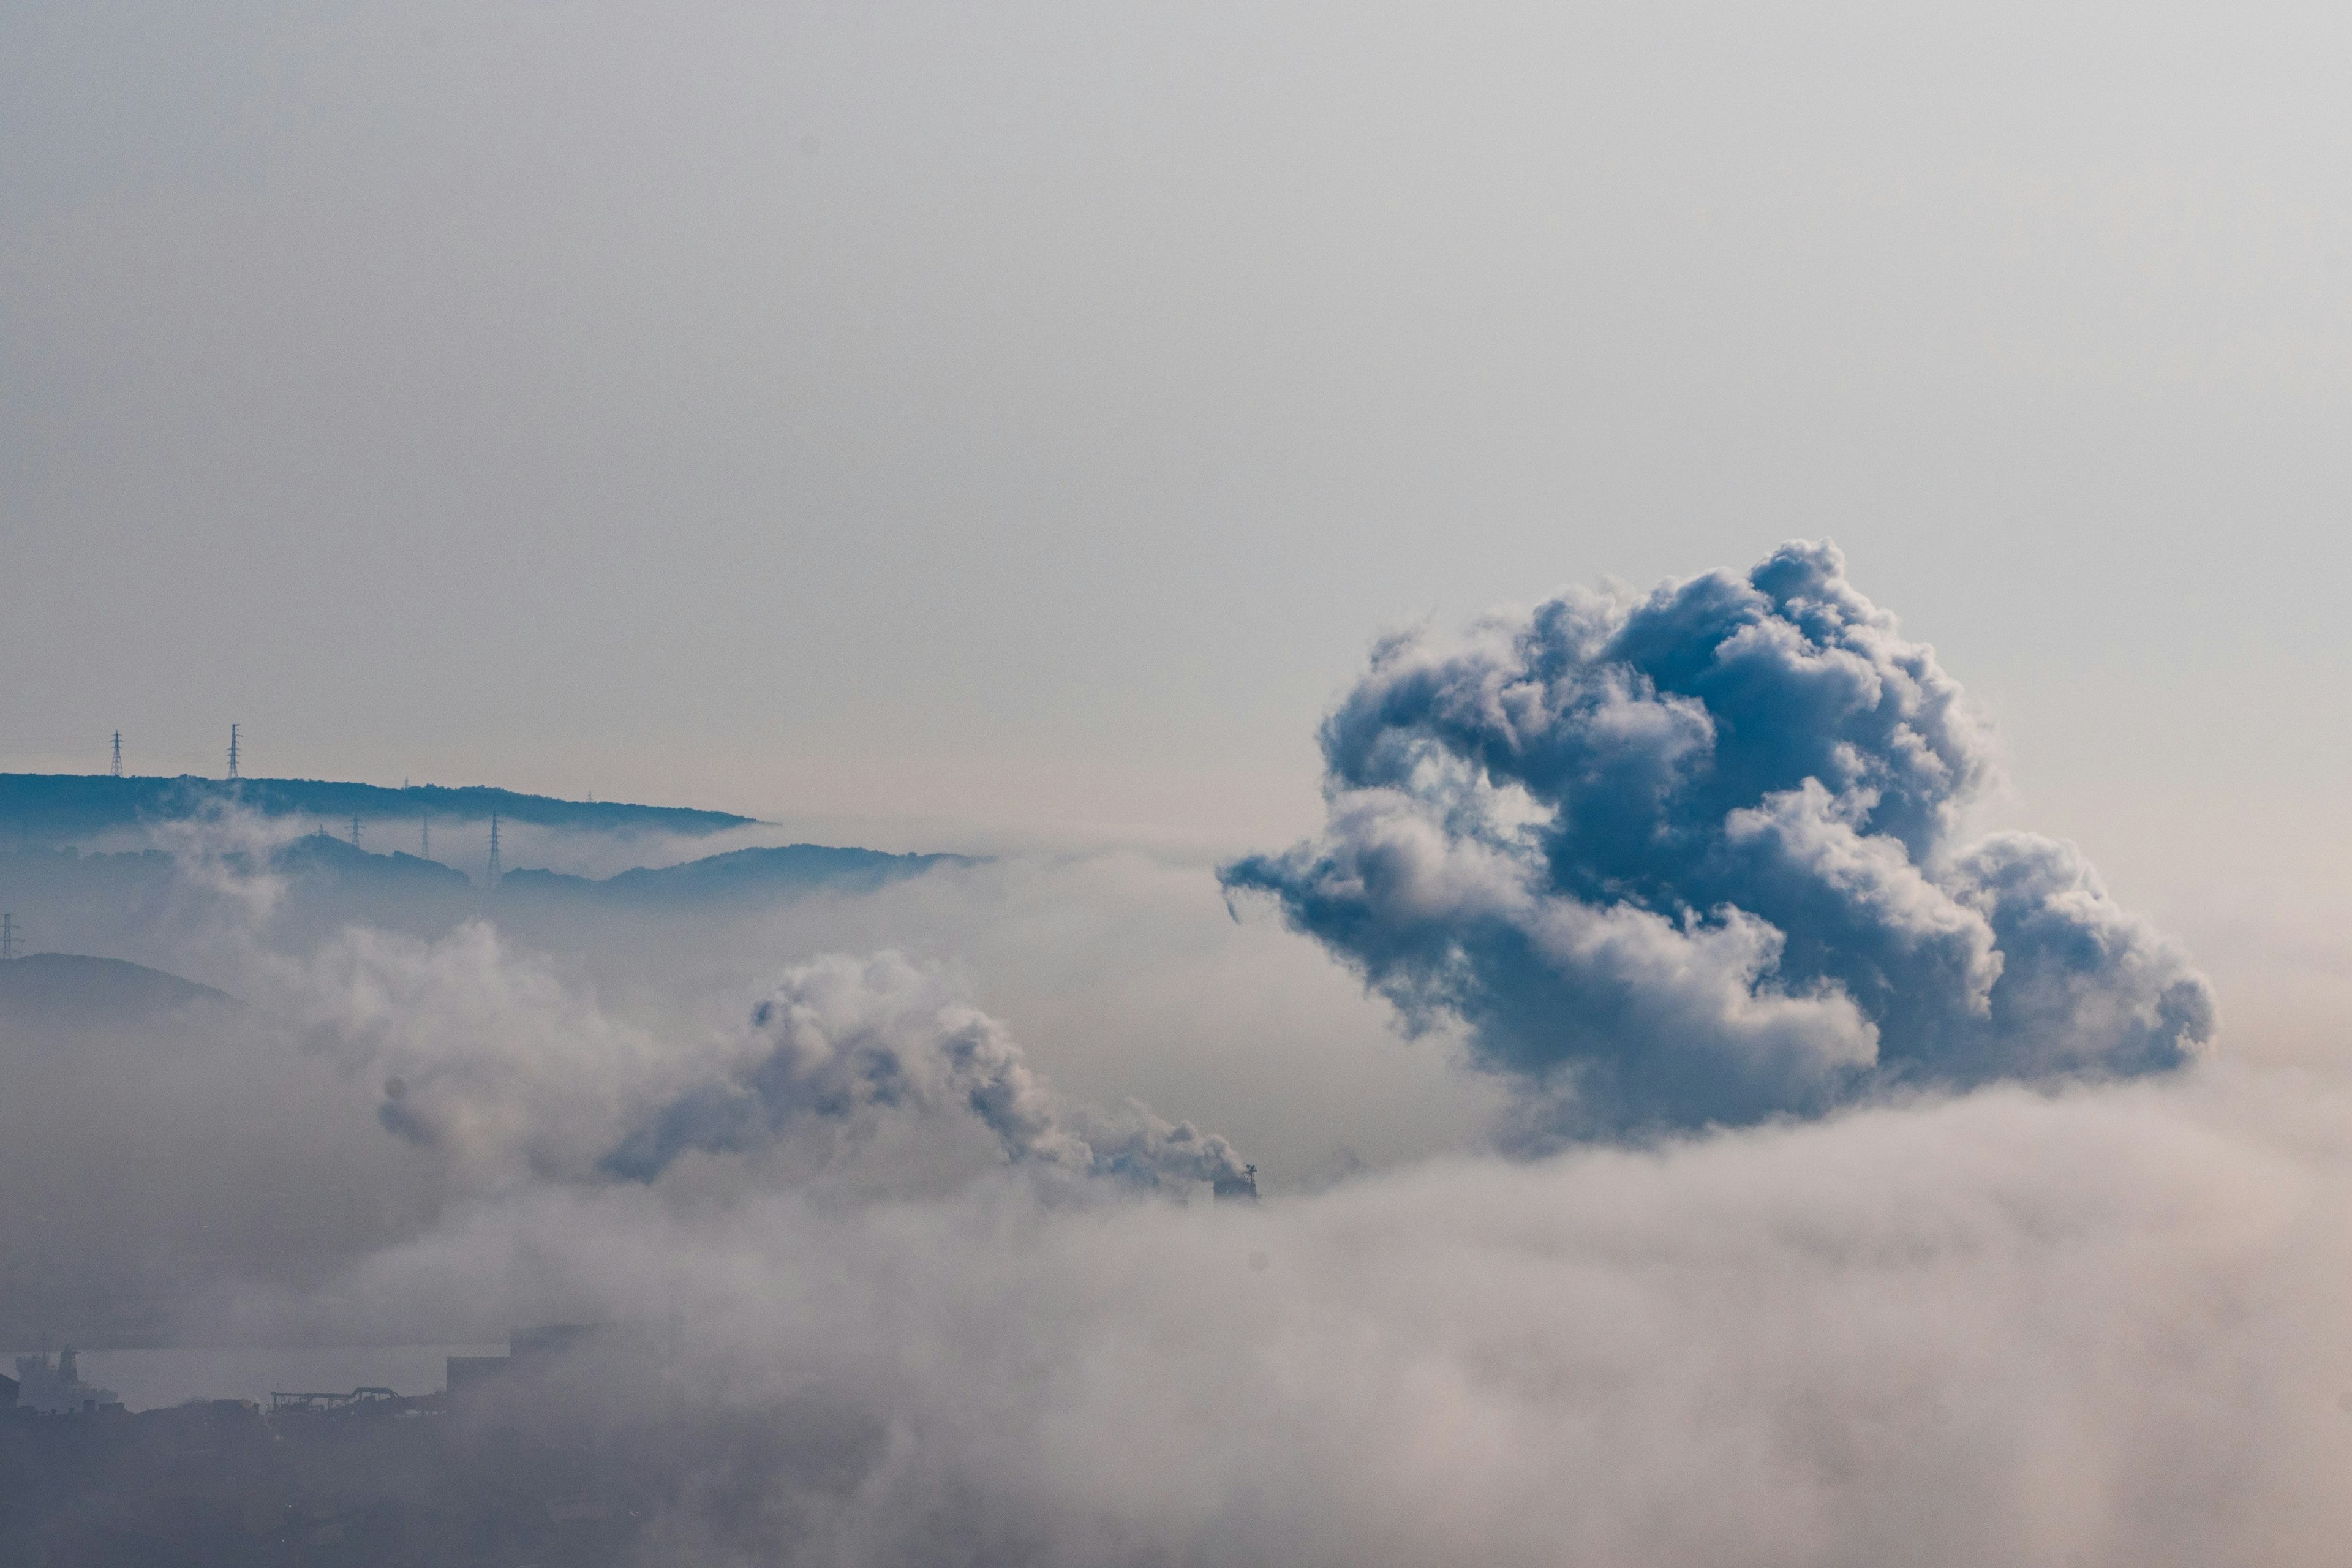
<point>1017,419</point>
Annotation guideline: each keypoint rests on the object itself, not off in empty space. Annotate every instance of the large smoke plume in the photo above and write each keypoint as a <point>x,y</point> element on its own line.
<point>1703,857</point>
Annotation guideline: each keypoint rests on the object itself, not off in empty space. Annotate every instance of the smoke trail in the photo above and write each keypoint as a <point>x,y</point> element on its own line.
<point>512,1075</point>
<point>844,1042</point>
<point>1699,858</point>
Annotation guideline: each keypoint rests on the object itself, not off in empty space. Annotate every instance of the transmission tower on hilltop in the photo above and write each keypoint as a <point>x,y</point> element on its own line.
<point>496,869</point>
<point>118,753</point>
<point>355,831</point>
<point>232,750</point>
<point>8,937</point>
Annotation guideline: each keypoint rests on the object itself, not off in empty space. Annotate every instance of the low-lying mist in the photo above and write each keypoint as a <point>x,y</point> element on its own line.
<point>2097,1326</point>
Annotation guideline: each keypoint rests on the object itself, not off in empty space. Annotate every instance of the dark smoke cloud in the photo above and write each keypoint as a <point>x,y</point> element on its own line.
<point>1702,857</point>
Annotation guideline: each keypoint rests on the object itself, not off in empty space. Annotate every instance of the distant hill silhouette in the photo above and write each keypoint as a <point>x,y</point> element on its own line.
<point>738,874</point>
<point>67,987</point>
<point>48,808</point>
<point>70,898</point>
<point>318,854</point>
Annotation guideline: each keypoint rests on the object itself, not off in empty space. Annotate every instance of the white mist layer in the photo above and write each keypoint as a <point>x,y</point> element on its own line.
<point>2100,1326</point>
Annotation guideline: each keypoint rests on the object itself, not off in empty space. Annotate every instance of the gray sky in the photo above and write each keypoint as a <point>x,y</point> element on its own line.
<point>947,422</point>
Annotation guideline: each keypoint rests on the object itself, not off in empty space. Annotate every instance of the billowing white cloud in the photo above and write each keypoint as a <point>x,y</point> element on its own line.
<point>1702,856</point>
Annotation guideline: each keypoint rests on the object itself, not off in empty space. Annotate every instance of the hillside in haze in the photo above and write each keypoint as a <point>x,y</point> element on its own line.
<point>739,874</point>
<point>129,901</point>
<point>55,808</point>
<point>69,988</point>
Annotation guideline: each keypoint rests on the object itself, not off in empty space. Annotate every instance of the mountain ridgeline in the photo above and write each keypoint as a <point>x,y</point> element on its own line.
<point>320,862</point>
<point>59,808</point>
<point>736,875</point>
<point>95,898</point>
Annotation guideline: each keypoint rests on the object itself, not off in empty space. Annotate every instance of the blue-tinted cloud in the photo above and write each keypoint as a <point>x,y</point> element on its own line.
<point>1701,858</point>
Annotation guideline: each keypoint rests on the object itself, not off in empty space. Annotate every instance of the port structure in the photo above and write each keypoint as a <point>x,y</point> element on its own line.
<point>328,1404</point>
